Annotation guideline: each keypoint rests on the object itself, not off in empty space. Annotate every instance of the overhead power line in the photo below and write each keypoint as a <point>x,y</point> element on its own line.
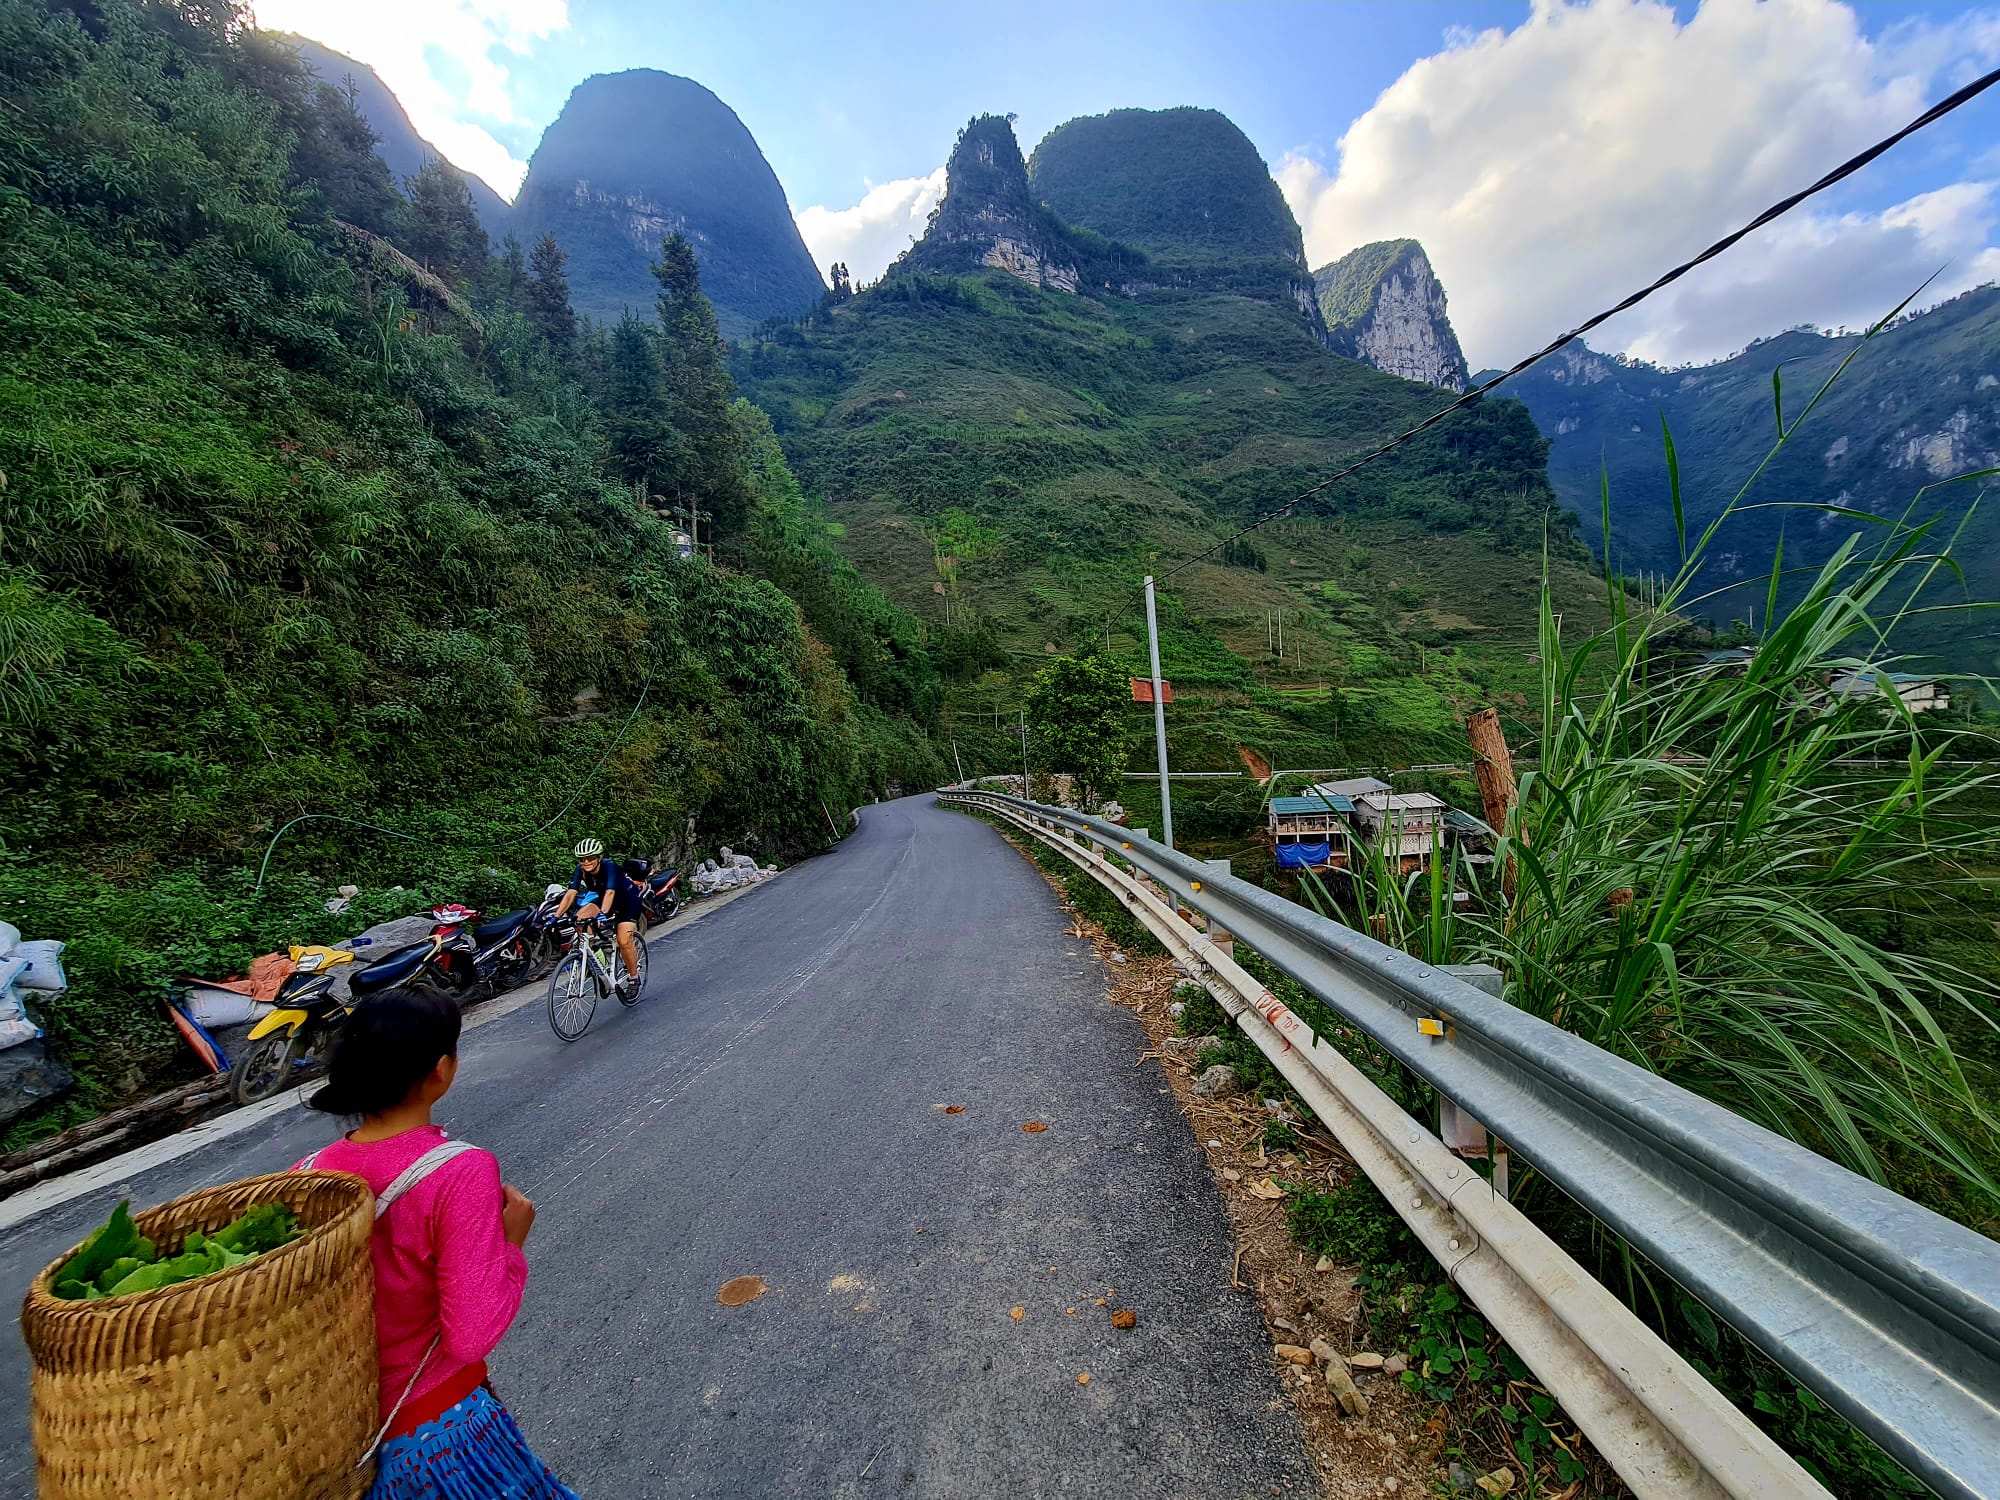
<point>1846,169</point>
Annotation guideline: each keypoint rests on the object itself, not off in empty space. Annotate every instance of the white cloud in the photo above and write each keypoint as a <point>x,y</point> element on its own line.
<point>876,230</point>
<point>1552,169</point>
<point>400,38</point>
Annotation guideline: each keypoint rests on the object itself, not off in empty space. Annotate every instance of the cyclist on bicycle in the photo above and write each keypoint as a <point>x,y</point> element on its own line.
<point>599,888</point>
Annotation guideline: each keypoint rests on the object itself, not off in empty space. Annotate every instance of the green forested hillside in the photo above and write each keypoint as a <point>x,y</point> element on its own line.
<point>294,527</point>
<point>1021,457</point>
<point>1915,410</point>
<point>1184,185</point>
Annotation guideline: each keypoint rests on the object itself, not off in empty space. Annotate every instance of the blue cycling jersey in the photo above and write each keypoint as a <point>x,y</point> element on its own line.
<point>611,888</point>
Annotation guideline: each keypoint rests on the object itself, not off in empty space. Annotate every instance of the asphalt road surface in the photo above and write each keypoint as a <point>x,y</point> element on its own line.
<point>773,1108</point>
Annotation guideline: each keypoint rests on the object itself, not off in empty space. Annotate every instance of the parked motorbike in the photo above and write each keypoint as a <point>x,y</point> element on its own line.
<point>308,1012</point>
<point>490,956</point>
<point>549,936</point>
<point>659,890</point>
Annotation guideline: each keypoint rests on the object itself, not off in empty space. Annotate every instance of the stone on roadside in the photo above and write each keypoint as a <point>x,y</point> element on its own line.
<point>1395,1364</point>
<point>1324,1264</point>
<point>1117,957</point>
<point>1218,1082</point>
<point>1365,1361</point>
<point>1177,1010</point>
<point>1344,1390</point>
<point>1292,1354</point>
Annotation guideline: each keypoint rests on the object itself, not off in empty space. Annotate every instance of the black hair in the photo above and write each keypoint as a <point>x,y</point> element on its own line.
<point>386,1048</point>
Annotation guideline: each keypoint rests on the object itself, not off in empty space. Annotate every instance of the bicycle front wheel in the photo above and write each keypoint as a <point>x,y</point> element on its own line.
<point>572,997</point>
<point>632,987</point>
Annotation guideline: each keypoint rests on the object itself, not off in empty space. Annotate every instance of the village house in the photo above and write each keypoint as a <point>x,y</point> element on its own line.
<point>1920,695</point>
<point>1309,832</point>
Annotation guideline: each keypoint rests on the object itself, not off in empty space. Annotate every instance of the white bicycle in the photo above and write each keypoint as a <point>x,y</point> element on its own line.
<point>590,970</point>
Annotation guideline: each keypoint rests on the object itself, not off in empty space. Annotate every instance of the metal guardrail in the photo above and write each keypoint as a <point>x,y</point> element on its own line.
<point>1886,1311</point>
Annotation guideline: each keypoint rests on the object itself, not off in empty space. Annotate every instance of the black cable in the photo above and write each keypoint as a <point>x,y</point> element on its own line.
<point>1846,169</point>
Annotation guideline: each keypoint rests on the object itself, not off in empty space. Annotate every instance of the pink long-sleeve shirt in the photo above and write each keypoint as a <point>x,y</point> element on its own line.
<point>443,1267</point>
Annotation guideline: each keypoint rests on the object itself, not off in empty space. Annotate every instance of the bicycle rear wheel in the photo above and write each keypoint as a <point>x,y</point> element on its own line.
<point>638,986</point>
<point>572,997</point>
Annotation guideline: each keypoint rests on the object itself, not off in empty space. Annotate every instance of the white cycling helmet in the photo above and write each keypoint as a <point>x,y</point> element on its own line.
<point>590,849</point>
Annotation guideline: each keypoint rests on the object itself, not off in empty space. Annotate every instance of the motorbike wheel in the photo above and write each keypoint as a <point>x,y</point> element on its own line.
<point>572,998</point>
<point>264,1066</point>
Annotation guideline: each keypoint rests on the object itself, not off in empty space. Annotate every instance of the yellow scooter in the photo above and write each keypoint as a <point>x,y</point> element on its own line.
<point>307,1013</point>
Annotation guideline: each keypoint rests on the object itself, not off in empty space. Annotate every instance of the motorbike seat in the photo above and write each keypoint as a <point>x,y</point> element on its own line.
<point>500,927</point>
<point>391,970</point>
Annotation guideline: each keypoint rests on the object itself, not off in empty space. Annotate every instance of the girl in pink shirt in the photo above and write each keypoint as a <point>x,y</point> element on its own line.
<point>449,1272</point>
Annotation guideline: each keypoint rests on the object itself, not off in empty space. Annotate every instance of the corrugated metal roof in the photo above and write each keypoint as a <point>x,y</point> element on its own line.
<point>1292,807</point>
<point>1465,822</point>
<point>1403,801</point>
<point>1354,786</point>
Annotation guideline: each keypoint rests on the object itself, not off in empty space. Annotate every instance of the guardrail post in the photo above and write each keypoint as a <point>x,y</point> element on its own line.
<point>1457,1129</point>
<point>1220,936</point>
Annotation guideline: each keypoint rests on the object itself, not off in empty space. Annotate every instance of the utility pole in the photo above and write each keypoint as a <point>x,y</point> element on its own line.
<point>1024,755</point>
<point>956,761</point>
<point>1159,718</point>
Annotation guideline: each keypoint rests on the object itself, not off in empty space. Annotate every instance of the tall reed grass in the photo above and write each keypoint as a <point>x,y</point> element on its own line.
<point>1712,864</point>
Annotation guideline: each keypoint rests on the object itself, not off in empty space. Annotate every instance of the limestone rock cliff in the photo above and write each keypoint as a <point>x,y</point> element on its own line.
<point>639,155</point>
<point>1383,305</point>
<point>987,217</point>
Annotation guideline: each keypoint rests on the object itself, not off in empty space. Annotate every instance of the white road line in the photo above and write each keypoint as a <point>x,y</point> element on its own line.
<point>56,1191</point>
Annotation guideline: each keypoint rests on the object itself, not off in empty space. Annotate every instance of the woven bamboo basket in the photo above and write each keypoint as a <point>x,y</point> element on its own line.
<point>255,1383</point>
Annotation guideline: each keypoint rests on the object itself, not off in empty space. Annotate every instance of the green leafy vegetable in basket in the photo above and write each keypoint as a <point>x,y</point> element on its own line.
<point>117,1260</point>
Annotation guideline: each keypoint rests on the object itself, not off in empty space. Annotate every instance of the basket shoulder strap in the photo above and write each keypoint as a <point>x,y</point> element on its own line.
<point>418,1170</point>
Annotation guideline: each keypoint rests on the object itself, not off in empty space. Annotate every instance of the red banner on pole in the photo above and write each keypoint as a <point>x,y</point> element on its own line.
<point>1142,690</point>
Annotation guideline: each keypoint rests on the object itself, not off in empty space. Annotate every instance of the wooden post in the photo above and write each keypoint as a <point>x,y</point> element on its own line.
<point>1493,768</point>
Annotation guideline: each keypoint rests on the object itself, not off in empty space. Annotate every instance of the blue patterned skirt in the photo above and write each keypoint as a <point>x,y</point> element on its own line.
<point>472,1452</point>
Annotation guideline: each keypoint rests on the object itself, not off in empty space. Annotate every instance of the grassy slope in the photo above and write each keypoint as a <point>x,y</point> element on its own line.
<point>1106,438</point>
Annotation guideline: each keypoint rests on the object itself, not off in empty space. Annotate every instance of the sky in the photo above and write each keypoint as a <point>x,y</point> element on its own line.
<point>1551,155</point>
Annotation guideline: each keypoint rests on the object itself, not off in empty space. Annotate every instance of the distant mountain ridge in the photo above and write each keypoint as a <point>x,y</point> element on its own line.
<point>1383,305</point>
<point>400,146</point>
<point>636,156</point>
<point>1919,406</point>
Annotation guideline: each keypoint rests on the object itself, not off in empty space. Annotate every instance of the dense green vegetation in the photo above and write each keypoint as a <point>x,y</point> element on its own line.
<point>660,153</point>
<point>298,527</point>
<point>1097,438</point>
<point>1911,414</point>
<point>1183,185</point>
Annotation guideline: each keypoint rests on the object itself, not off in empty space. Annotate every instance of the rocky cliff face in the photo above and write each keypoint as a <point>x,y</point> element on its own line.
<point>399,144</point>
<point>1383,306</point>
<point>637,156</point>
<point>988,218</point>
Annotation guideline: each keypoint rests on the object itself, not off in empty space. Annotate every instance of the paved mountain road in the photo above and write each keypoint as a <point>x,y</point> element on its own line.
<point>770,1109</point>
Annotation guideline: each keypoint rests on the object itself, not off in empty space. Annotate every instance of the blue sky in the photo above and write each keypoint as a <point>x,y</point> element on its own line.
<point>1574,145</point>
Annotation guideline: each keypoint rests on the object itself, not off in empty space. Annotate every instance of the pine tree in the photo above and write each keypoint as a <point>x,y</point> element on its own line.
<point>547,294</point>
<point>708,469</point>
<point>510,275</point>
<point>843,285</point>
<point>643,444</point>
<point>445,232</point>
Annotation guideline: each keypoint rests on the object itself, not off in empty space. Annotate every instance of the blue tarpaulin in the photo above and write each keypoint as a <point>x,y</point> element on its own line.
<point>1304,856</point>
